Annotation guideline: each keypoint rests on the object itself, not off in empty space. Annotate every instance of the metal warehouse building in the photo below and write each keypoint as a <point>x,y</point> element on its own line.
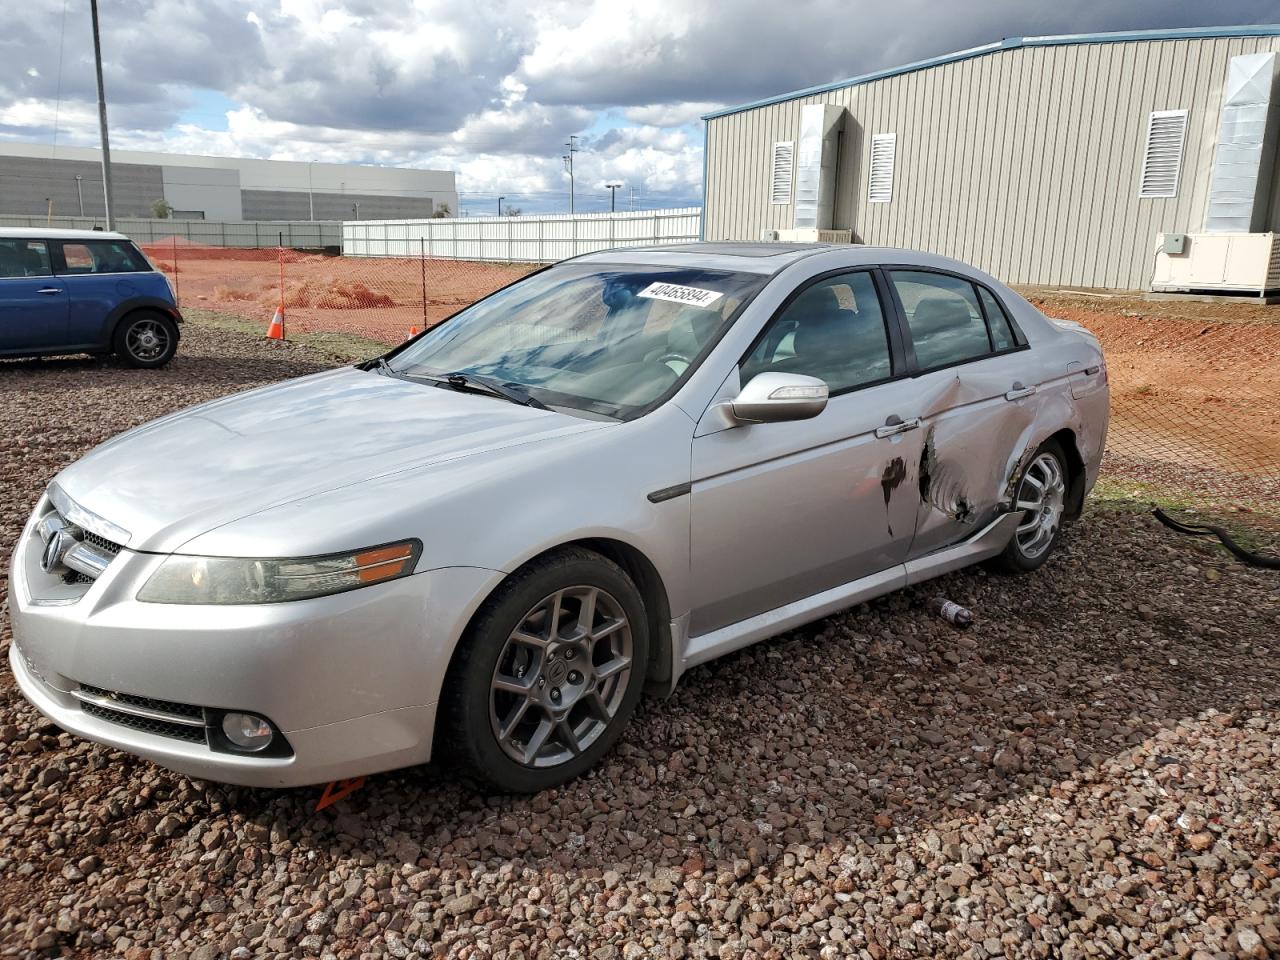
<point>214,188</point>
<point>1046,160</point>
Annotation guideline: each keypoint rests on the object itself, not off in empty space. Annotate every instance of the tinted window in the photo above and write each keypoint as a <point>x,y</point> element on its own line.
<point>834,330</point>
<point>944,317</point>
<point>102,256</point>
<point>1001,332</point>
<point>24,258</point>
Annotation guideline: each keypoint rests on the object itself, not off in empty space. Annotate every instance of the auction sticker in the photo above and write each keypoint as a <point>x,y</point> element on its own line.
<point>693,296</point>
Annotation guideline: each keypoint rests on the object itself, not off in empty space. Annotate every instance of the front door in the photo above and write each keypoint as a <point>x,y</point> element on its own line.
<point>33,302</point>
<point>782,511</point>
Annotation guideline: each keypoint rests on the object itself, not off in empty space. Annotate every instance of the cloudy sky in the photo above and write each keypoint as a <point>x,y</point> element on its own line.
<point>489,88</point>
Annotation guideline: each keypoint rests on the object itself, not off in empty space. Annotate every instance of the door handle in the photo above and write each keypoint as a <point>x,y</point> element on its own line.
<point>895,425</point>
<point>49,290</point>
<point>1019,391</point>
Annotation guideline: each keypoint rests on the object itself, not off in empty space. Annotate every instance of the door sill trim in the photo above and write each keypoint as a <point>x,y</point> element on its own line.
<point>987,542</point>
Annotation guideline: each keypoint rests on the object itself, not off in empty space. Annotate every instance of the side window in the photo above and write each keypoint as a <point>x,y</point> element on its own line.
<point>101,256</point>
<point>24,258</point>
<point>1001,332</point>
<point>944,317</point>
<point>834,330</point>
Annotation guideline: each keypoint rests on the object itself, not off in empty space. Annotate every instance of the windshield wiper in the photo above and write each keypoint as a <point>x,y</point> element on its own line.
<point>494,388</point>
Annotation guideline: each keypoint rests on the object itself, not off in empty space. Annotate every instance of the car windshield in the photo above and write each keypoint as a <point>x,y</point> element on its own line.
<point>603,339</point>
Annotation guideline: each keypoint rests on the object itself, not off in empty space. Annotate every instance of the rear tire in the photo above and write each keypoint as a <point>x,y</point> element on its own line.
<point>145,339</point>
<point>549,672</point>
<point>1040,503</point>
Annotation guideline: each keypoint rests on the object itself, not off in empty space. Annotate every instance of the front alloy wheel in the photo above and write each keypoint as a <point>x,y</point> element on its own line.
<point>548,673</point>
<point>146,339</point>
<point>561,677</point>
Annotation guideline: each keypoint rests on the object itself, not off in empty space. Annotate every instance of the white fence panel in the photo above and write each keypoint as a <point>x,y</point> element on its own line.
<point>532,239</point>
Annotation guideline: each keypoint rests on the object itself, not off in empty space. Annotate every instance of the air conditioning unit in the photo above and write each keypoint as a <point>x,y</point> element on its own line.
<point>769,236</point>
<point>814,236</point>
<point>1238,262</point>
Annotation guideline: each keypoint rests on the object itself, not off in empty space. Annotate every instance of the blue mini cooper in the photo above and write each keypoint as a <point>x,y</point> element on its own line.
<point>83,291</point>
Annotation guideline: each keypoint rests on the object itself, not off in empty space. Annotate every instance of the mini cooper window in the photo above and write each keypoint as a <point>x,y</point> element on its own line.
<point>834,330</point>
<point>24,258</point>
<point>944,318</point>
<point>611,340</point>
<point>101,256</point>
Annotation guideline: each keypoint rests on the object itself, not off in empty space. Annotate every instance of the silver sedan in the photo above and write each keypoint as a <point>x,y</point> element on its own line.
<point>489,542</point>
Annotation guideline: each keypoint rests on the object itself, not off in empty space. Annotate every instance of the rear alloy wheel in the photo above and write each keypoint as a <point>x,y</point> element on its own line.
<point>551,672</point>
<point>1040,505</point>
<point>146,339</point>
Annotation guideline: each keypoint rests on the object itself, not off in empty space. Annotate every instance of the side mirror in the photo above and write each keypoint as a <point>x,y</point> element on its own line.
<point>775,397</point>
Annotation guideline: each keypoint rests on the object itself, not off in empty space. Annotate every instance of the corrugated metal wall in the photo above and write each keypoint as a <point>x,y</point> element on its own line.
<point>536,239</point>
<point>1024,162</point>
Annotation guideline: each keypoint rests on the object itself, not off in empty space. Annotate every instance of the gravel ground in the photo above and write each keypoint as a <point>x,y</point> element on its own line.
<point>1090,771</point>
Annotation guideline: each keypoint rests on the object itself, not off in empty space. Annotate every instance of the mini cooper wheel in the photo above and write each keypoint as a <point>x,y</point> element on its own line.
<point>549,673</point>
<point>1040,505</point>
<point>146,339</point>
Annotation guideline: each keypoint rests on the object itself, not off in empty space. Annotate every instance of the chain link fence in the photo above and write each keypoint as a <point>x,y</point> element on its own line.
<point>381,299</point>
<point>1195,395</point>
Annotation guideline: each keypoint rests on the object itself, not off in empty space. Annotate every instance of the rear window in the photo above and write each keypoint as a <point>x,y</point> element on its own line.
<point>100,256</point>
<point>24,258</point>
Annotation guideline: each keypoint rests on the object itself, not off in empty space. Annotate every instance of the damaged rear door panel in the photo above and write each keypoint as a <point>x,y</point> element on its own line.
<point>974,439</point>
<point>978,401</point>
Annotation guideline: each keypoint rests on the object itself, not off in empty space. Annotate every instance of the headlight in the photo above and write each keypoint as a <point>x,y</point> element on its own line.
<point>181,579</point>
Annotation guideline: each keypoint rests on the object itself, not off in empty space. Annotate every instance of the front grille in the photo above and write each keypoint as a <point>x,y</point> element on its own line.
<point>148,703</point>
<point>161,728</point>
<point>102,543</point>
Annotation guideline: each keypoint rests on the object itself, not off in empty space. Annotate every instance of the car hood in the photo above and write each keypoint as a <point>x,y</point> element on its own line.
<point>187,473</point>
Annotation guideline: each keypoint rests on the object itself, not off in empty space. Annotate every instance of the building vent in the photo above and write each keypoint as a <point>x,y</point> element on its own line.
<point>817,157</point>
<point>1242,165</point>
<point>1166,132</point>
<point>783,165</point>
<point>880,183</point>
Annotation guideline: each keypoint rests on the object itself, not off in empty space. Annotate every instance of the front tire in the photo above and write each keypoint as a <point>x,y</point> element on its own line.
<point>1040,503</point>
<point>549,672</point>
<point>145,339</point>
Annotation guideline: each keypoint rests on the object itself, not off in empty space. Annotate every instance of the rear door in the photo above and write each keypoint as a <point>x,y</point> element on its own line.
<point>33,302</point>
<point>974,406</point>
<point>99,275</point>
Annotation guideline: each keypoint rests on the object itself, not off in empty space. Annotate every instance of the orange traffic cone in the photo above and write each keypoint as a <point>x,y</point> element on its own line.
<point>276,330</point>
<point>413,332</point>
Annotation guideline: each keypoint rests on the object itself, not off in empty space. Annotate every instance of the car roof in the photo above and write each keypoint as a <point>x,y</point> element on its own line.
<point>50,233</point>
<point>765,257</point>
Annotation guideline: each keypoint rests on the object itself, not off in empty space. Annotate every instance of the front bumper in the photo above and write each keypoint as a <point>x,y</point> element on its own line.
<point>350,680</point>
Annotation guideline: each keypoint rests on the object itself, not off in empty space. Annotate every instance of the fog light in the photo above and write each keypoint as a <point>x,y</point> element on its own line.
<point>247,731</point>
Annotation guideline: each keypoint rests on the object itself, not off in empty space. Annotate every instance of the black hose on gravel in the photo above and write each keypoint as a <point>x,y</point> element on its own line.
<point>1208,530</point>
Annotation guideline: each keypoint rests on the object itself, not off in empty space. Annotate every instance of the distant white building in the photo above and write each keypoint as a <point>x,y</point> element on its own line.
<point>214,188</point>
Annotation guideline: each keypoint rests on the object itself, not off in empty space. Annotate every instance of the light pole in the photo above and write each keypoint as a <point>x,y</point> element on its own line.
<point>613,195</point>
<point>500,199</point>
<point>311,195</point>
<point>102,118</point>
<point>568,162</point>
<point>80,193</point>
<point>355,209</point>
